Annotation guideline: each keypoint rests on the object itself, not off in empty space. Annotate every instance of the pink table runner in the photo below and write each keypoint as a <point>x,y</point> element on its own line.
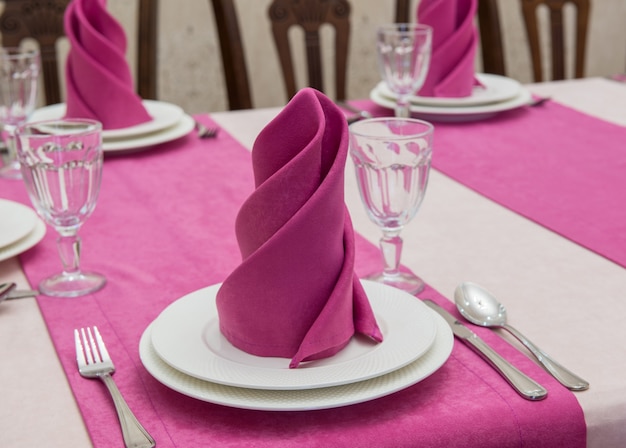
<point>558,167</point>
<point>164,227</point>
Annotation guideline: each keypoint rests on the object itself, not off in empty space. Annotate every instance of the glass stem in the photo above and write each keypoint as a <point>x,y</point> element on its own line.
<point>69,250</point>
<point>402,107</point>
<point>391,248</point>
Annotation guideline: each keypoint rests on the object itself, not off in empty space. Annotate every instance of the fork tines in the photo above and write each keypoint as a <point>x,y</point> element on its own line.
<point>90,348</point>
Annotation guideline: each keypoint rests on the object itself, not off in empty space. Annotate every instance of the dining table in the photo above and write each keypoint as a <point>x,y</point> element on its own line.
<point>529,203</point>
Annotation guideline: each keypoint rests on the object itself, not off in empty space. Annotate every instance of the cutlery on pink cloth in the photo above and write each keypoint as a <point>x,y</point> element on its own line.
<point>98,79</point>
<point>295,294</point>
<point>451,72</point>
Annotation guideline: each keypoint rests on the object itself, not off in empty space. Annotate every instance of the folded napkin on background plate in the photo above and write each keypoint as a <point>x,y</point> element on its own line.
<point>295,294</point>
<point>98,79</point>
<point>451,72</point>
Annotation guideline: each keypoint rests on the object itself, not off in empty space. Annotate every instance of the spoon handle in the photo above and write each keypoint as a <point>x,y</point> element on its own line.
<point>562,375</point>
<point>523,384</point>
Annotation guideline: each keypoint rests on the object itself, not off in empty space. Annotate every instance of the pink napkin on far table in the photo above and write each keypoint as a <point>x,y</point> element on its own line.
<point>98,79</point>
<point>451,72</point>
<point>295,294</point>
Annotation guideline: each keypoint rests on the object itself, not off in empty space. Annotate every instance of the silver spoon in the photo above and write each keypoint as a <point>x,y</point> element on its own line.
<point>480,307</point>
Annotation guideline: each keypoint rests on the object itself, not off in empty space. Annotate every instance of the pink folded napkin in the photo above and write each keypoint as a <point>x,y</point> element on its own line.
<point>451,72</point>
<point>98,80</point>
<point>295,294</point>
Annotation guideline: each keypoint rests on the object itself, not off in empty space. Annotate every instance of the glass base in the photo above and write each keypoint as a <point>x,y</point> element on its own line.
<point>403,280</point>
<point>72,285</point>
<point>11,171</point>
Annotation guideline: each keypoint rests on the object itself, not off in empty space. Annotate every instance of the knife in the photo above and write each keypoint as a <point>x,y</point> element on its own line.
<point>524,385</point>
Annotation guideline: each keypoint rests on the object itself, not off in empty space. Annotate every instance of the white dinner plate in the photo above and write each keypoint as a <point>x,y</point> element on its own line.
<point>180,129</point>
<point>164,115</point>
<point>16,221</point>
<point>25,243</point>
<point>493,89</point>
<point>303,399</point>
<point>186,336</point>
<point>457,114</point>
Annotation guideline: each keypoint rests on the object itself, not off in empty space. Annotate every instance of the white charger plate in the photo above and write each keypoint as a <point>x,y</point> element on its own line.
<point>164,115</point>
<point>180,129</point>
<point>493,89</point>
<point>25,243</point>
<point>457,114</point>
<point>16,221</point>
<point>186,336</point>
<point>303,399</point>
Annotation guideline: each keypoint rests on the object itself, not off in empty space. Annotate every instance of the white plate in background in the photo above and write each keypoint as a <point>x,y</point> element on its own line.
<point>164,115</point>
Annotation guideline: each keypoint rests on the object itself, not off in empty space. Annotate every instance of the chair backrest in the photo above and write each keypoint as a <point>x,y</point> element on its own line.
<point>310,15</point>
<point>491,37</point>
<point>43,22</point>
<point>283,14</point>
<point>233,56</point>
<point>555,8</point>
<point>403,11</point>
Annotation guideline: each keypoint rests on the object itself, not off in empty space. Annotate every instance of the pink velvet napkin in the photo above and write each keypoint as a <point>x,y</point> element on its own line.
<point>451,72</point>
<point>295,294</point>
<point>98,80</point>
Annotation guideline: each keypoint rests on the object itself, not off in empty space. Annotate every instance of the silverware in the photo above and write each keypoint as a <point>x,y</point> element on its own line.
<point>21,294</point>
<point>204,132</point>
<point>6,289</point>
<point>538,101</point>
<point>525,386</point>
<point>358,114</point>
<point>480,307</point>
<point>94,362</point>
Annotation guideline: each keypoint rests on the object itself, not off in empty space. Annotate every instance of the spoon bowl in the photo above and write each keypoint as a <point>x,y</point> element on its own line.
<point>480,307</point>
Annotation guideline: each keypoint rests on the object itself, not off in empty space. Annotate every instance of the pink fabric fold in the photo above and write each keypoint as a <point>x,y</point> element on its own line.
<point>295,294</point>
<point>451,72</point>
<point>98,79</point>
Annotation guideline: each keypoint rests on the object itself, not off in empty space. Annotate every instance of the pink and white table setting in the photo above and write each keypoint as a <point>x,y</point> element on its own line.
<point>556,289</point>
<point>236,306</point>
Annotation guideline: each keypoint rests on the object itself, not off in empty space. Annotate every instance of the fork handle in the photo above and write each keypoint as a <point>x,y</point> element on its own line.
<point>135,436</point>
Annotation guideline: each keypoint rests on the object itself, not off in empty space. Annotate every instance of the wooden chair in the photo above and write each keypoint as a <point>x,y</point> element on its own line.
<point>403,11</point>
<point>555,7</point>
<point>283,14</point>
<point>310,15</point>
<point>233,56</point>
<point>491,44</point>
<point>43,22</point>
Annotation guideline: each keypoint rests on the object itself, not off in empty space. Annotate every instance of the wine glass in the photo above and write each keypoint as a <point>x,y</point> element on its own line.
<point>392,158</point>
<point>19,74</point>
<point>61,163</point>
<point>404,51</point>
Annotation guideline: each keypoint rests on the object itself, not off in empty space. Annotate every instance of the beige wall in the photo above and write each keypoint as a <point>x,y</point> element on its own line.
<point>189,59</point>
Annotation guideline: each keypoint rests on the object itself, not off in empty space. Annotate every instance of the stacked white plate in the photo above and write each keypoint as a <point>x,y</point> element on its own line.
<point>495,94</point>
<point>184,349</point>
<point>20,228</point>
<point>168,123</point>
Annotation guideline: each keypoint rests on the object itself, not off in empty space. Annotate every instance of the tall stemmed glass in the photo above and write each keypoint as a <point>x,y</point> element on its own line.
<point>392,159</point>
<point>404,51</point>
<point>61,162</point>
<point>19,74</point>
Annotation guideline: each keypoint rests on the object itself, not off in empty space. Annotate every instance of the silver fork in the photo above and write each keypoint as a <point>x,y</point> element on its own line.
<point>204,132</point>
<point>358,114</point>
<point>94,362</point>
